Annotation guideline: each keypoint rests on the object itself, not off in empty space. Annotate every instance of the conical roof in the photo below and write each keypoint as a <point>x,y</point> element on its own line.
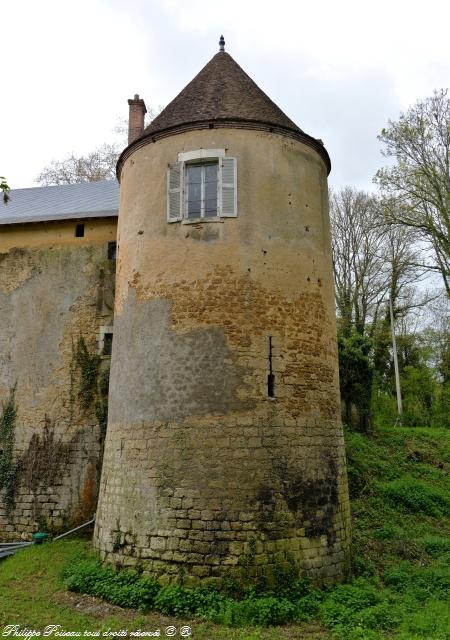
<point>222,95</point>
<point>221,91</point>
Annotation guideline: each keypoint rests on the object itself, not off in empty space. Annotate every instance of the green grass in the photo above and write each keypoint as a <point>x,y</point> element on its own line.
<point>399,483</point>
<point>32,595</point>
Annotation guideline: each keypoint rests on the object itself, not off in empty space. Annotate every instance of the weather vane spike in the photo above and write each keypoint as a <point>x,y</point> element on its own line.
<point>222,43</point>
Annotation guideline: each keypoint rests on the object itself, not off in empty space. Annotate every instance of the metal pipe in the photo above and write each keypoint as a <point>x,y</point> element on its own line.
<point>81,526</point>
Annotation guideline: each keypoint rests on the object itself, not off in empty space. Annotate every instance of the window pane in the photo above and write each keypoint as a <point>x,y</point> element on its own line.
<point>194,208</point>
<point>211,207</point>
<point>194,174</point>
<point>210,190</point>
<point>211,173</point>
<point>194,192</point>
<point>201,187</point>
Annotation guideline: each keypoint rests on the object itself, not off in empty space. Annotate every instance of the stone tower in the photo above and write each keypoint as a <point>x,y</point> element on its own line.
<point>224,453</point>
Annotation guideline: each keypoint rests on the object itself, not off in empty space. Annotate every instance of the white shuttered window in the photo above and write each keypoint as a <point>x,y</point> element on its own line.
<point>202,186</point>
<point>175,192</point>
<point>229,190</point>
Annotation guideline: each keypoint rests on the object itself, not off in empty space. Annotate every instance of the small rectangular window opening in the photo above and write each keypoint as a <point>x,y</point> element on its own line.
<point>201,191</point>
<point>107,344</point>
<point>79,230</point>
<point>112,250</point>
<point>270,377</point>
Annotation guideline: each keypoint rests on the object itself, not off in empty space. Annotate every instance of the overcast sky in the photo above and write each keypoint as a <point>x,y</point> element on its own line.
<point>339,69</point>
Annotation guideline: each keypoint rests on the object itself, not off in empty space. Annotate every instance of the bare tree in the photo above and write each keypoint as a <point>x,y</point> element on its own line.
<point>100,164</point>
<point>375,266</point>
<point>358,257</point>
<point>373,262</point>
<point>417,186</point>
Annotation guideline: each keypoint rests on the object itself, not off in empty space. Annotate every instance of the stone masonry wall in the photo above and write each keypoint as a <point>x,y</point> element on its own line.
<point>53,301</point>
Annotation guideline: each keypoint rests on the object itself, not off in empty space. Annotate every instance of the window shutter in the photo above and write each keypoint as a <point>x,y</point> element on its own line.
<point>174,192</point>
<point>229,188</point>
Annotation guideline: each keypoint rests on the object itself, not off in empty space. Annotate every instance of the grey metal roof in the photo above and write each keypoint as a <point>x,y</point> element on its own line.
<point>61,202</point>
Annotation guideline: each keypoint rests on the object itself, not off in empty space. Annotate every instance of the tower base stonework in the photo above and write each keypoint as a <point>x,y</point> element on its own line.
<point>237,495</point>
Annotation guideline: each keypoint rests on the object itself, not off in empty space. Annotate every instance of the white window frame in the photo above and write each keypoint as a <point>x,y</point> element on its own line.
<point>200,156</point>
<point>202,164</point>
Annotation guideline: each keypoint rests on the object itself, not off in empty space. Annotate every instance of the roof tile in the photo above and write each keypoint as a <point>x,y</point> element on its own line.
<point>62,202</point>
<point>222,90</point>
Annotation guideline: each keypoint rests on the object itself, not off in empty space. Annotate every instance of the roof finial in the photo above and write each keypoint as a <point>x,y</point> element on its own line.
<point>222,44</point>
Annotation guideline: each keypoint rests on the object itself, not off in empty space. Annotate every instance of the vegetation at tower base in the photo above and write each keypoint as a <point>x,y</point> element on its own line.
<point>400,589</point>
<point>401,556</point>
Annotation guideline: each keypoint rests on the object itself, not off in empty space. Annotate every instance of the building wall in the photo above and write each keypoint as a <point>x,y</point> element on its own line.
<point>56,292</point>
<point>204,474</point>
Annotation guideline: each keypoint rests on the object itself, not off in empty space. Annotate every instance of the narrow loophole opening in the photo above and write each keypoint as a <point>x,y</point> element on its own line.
<point>271,385</point>
<point>270,377</point>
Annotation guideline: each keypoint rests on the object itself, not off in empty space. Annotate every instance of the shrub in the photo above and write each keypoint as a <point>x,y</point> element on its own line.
<point>259,611</point>
<point>420,583</point>
<point>383,616</point>
<point>431,622</point>
<point>363,567</point>
<point>82,576</point>
<point>127,588</point>
<point>177,600</point>
<point>435,545</point>
<point>387,532</point>
<point>136,595</point>
<point>397,577</point>
<point>307,607</point>
<point>343,606</point>
<point>122,588</point>
<point>416,496</point>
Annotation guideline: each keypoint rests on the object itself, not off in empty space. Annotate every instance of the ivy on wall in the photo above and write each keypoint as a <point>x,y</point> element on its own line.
<point>8,468</point>
<point>101,404</point>
<point>93,383</point>
<point>88,367</point>
<point>44,459</point>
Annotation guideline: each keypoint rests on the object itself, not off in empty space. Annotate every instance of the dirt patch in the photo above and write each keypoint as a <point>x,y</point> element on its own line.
<point>95,607</point>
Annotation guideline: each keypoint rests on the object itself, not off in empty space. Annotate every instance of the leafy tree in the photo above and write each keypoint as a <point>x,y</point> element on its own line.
<point>356,377</point>
<point>423,362</point>
<point>4,188</point>
<point>417,187</point>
